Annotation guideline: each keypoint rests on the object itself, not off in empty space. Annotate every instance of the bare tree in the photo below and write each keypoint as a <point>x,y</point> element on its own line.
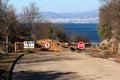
<point>29,15</point>
<point>3,4</point>
<point>12,23</point>
<point>42,31</point>
<point>3,21</point>
<point>3,7</point>
<point>110,19</point>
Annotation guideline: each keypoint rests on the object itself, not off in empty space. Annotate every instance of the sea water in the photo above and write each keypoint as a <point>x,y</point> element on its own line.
<point>89,30</point>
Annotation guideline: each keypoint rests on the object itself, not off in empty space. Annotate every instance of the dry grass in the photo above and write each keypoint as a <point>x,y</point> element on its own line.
<point>99,54</point>
<point>114,57</point>
<point>55,47</point>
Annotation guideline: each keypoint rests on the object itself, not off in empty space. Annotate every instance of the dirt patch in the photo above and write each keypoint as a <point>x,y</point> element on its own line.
<point>54,45</point>
<point>65,66</point>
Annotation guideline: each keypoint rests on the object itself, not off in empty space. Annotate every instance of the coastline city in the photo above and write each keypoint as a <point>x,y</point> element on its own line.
<point>74,20</point>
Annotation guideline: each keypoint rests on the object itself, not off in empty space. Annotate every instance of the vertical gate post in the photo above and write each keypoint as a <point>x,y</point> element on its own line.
<point>112,48</point>
<point>15,47</point>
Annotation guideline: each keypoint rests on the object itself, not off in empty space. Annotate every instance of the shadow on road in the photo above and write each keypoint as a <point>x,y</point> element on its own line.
<point>46,58</point>
<point>50,75</point>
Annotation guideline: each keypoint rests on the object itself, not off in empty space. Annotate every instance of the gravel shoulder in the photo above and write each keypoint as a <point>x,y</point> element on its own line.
<point>65,66</point>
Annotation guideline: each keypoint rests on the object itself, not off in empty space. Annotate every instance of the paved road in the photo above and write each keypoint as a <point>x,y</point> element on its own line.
<point>65,66</point>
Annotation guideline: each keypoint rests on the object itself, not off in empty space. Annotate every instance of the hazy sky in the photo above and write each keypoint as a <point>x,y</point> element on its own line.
<point>59,6</point>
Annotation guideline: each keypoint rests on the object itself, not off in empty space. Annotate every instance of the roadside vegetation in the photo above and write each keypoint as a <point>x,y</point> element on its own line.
<point>109,26</point>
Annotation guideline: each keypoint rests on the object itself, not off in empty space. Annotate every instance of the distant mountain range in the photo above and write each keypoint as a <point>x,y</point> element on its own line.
<point>71,17</point>
<point>93,13</point>
<point>76,17</point>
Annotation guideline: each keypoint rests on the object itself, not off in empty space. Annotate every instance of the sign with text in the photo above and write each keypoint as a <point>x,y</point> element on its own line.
<point>29,44</point>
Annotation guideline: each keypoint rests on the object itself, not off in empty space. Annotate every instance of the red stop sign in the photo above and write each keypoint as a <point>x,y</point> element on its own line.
<point>81,45</point>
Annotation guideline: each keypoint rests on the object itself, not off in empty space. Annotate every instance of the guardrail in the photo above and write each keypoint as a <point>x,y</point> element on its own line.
<point>89,46</point>
<point>99,47</point>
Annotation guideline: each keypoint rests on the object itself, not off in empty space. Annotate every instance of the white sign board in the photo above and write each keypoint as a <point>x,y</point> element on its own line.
<point>29,44</point>
<point>47,45</point>
<point>25,44</point>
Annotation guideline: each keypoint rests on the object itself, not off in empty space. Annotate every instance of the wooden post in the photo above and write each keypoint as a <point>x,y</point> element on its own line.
<point>96,46</point>
<point>15,47</point>
<point>112,48</point>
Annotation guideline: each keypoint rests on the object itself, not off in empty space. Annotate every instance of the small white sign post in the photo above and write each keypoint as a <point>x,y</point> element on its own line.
<point>25,44</point>
<point>29,44</point>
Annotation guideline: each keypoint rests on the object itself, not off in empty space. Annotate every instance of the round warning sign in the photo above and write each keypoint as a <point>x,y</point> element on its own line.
<point>81,45</point>
<point>47,45</point>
